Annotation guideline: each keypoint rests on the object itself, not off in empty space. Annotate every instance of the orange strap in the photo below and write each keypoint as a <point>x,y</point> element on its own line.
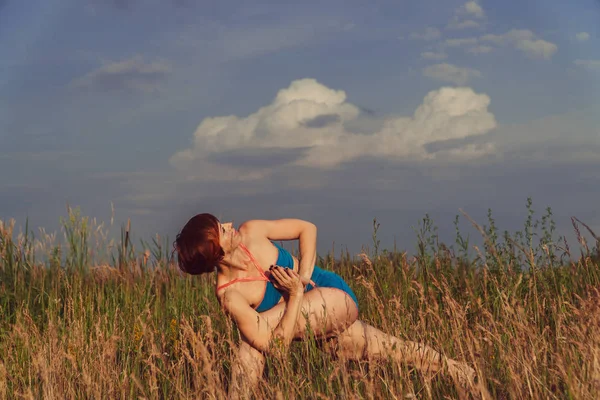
<point>253,260</point>
<point>263,277</point>
<point>247,279</point>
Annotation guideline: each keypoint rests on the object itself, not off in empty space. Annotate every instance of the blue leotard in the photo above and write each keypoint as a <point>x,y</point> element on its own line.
<point>320,278</point>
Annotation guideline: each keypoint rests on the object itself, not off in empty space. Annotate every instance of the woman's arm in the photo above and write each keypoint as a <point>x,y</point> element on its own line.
<point>253,327</point>
<point>289,284</point>
<point>291,229</point>
<point>308,251</point>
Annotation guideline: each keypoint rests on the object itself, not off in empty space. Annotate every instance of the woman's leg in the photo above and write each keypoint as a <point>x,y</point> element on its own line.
<point>246,370</point>
<point>328,311</point>
<point>331,313</point>
<point>362,340</point>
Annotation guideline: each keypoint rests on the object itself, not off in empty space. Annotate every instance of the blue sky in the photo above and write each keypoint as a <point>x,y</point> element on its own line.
<point>336,112</point>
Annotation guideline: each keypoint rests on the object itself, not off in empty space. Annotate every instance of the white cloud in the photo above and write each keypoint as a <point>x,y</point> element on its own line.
<point>474,9</point>
<point>592,65</point>
<point>525,41</point>
<point>289,122</point>
<point>582,36</point>
<point>428,34</point>
<point>466,15</point>
<point>537,48</point>
<point>430,55</point>
<point>451,73</point>
<point>129,74</point>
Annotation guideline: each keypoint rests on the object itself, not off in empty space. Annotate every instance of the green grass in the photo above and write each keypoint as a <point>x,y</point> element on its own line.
<point>85,317</point>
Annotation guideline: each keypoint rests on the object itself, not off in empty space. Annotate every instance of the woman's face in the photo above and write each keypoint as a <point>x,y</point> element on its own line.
<point>226,234</point>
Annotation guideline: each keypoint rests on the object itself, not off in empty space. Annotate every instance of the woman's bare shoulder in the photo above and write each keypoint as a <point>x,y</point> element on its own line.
<point>253,233</point>
<point>252,225</point>
<point>231,297</point>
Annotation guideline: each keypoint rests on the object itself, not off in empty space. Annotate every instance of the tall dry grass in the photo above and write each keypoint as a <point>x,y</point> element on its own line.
<point>524,310</point>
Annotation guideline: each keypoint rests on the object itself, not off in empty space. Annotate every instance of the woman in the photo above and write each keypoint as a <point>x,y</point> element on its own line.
<point>270,294</point>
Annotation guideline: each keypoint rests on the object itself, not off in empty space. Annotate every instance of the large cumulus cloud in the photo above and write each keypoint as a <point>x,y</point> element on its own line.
<point>311,124</point>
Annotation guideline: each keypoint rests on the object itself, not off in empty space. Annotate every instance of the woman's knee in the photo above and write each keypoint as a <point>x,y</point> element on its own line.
<point>330,310</point>
<point>351,343</point>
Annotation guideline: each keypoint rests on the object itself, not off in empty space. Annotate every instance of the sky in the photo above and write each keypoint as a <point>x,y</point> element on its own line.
<point>337,112</point>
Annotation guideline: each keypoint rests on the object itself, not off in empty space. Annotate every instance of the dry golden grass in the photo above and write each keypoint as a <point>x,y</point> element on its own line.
<point>136,328</point>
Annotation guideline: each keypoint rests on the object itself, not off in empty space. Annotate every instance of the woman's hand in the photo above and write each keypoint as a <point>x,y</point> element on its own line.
<point>286,280</point>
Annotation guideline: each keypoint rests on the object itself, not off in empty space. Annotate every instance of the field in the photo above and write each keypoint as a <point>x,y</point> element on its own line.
<point>85,317</point>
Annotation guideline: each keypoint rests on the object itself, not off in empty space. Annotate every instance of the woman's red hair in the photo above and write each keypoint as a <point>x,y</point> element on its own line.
<point>197,245</point>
